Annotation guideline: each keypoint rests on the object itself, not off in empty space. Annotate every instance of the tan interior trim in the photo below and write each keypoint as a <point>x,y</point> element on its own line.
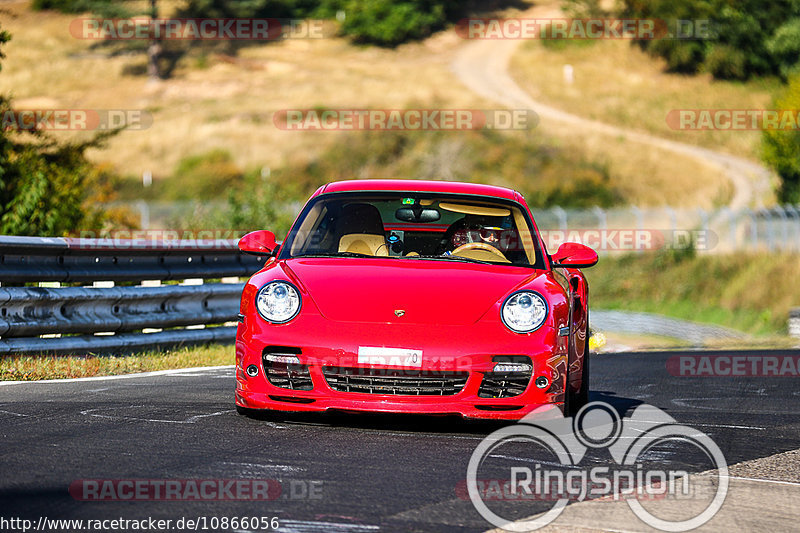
<point>475,209</point>
<point>364,243</point>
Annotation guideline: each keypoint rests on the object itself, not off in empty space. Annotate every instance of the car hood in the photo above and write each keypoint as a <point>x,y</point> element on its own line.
<point>420,291</point>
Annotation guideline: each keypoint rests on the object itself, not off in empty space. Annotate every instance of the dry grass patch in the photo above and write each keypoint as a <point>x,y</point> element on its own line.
<point>220,102</point>
<point>43,367</point>
<point>618,84</point>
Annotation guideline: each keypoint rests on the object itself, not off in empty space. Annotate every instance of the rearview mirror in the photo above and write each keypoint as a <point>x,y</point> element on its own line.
<point>574,255</point>
<point>260,242</point>
<point>417,214</point>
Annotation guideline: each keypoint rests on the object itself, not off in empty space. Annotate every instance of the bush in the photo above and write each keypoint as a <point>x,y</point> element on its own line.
<point>389,23</point>
<point>204,176</point>
<point>784,47</point>
<point>749,38</point>
<point>108,8</point>
<point>48,188</point>
<point>545,174</point>
<point>726,62</point>
<point>782,147</point>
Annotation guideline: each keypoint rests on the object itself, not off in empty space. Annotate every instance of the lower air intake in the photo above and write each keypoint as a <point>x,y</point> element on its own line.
<point>506,384</point>
<point>396,382</point>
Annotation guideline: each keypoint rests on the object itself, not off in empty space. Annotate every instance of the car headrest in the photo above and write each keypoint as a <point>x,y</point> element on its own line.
<point>360,218</point>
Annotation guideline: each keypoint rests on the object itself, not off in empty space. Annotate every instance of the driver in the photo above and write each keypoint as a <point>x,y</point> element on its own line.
<point>473,228</point>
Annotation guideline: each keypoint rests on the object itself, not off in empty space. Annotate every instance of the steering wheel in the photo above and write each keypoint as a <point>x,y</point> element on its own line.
<point>479,246</point>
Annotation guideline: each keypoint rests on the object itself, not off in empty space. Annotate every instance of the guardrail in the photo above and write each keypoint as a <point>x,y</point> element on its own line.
<point>45,306</point>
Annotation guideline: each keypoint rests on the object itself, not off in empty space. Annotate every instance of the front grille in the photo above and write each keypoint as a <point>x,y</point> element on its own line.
<point>286,375</point>
<point>398,382</point>
<point>505,384</point>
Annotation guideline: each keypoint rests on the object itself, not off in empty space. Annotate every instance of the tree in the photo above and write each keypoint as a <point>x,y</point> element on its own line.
<point>782,147</point>
<point>113,9</point>
<point>45,186</point>
<point>748,38</point>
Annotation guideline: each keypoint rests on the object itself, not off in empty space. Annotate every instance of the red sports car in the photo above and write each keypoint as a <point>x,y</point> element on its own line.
<point>413,297</point>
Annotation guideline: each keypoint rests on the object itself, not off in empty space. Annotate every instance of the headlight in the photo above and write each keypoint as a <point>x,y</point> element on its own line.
<point>278,302</point>
<point>524,311</point>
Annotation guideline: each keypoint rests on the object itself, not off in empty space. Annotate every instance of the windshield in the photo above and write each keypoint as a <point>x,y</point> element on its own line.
<point>414,226</point>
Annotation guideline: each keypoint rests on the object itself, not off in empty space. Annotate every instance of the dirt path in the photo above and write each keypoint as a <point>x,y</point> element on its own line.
<point>482,66</point>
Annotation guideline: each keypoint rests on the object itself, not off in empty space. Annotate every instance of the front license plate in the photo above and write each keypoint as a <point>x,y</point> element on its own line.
<point>379,356</point>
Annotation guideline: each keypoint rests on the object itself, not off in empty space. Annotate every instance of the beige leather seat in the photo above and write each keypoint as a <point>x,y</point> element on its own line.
<point>361,230</point>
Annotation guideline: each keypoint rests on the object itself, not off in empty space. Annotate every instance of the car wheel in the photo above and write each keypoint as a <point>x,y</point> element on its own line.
<point>576,400</point>
<point>582,397</point>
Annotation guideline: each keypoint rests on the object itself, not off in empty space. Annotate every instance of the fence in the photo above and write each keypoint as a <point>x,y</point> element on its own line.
<point>46,307</point>
<point>711,231</point>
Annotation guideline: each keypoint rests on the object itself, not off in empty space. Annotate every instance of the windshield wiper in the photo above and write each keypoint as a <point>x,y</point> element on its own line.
<point>450,258</point>
<point>337,254</point>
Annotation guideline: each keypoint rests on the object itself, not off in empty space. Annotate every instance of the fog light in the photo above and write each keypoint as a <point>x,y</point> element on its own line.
<point>542,382</point>
<point>512,367</point>
<point>252,371</point>
<point>285,359</point>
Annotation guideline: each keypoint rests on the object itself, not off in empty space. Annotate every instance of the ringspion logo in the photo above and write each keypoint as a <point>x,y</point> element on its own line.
<point>542,457</point>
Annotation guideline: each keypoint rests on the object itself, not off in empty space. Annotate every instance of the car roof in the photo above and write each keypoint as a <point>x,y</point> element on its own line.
<point>419,186</point>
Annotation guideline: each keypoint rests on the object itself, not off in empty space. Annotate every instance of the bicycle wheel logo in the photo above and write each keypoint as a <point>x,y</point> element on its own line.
<point>630,443</point>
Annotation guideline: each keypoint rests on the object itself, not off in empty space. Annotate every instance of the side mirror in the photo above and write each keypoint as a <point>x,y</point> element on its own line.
<point>260,242</point>
<point>574,255</point>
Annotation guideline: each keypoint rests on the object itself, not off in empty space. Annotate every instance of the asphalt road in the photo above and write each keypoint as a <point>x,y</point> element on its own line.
<point>337,473</point>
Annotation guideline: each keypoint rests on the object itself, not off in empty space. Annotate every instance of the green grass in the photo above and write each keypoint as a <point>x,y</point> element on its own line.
<point>49,367</point>
<point>750,293</point>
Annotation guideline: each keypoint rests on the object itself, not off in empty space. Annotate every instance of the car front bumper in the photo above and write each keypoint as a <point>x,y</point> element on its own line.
<point>326,347</point>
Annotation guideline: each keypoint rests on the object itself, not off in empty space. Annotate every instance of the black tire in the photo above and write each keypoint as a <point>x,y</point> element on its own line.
<point>576,400</point>
<point>582,397</point>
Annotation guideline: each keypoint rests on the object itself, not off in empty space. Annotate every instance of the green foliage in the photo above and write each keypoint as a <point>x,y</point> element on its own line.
<point>390,22</point>
<point>378,22</point>
<point>205,176</point>
<point>544,174</point>
<point>716,288</point>
<point>248,8</point>
<point>47,188</point>
<point>264,204</point>
<point>258,199</point>
<point>202,177</point>
<point>106,8</point>
<point>726,62</point>
<point>784,47</point>
<point>748,37</point>
<point>782,147</point>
